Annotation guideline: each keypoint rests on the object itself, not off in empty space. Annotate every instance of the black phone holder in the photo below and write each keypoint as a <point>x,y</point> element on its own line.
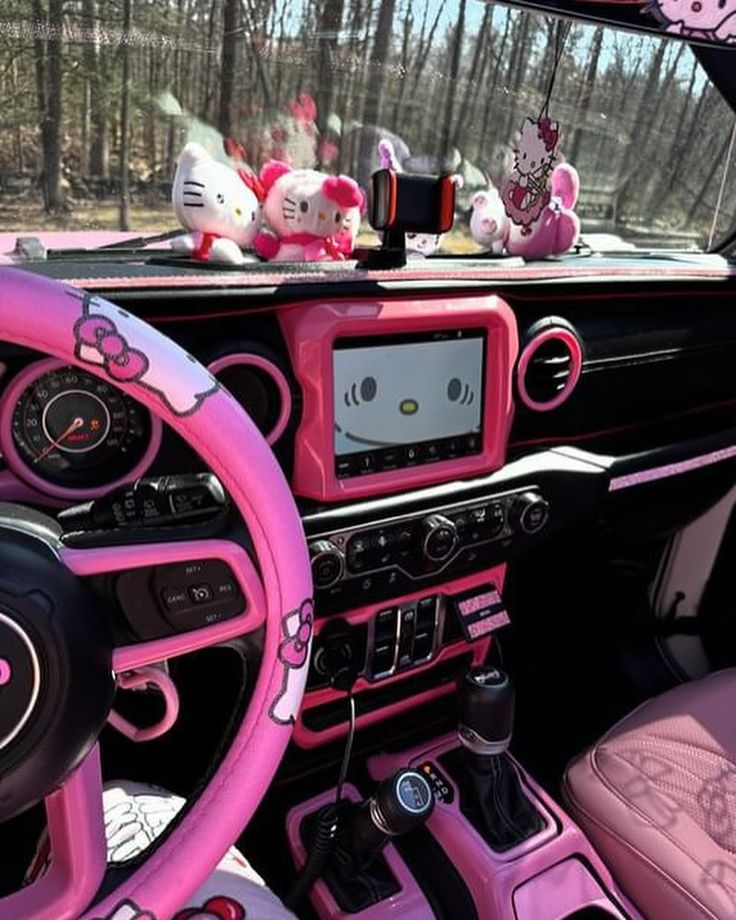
<point>401,204</point>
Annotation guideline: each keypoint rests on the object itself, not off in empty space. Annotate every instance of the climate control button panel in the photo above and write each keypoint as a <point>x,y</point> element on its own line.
<point>397,555</point>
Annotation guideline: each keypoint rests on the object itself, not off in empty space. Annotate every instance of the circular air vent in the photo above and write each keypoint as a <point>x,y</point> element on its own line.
<point>260,387</point>
<point>549,364</point>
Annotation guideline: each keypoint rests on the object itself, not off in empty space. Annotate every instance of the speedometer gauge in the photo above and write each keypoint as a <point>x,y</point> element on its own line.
<point>73,433</point>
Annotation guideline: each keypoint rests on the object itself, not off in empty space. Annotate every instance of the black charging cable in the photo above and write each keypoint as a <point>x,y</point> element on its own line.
<point>328,823</point>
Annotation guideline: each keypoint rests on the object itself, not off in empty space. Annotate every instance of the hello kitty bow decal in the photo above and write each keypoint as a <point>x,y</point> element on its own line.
<point>106,336</point>
<point>220,907</point>
<point>128,910</point>
<point>709,20</point>
<point>297,628</point>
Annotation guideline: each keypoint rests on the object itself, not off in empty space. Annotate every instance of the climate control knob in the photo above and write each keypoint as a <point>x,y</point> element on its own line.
<point>439,537</point>
<point>529,513</point>
<point>328,563</point>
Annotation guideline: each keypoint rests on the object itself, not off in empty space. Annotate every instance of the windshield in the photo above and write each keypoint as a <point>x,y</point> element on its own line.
<point>100,96</point>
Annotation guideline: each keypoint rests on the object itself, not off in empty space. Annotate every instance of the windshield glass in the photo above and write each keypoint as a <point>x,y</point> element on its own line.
<point>100,96</point>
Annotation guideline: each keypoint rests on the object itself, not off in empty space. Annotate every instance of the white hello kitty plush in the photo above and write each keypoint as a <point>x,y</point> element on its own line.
<point>217,205</point>
<point>312,217</point>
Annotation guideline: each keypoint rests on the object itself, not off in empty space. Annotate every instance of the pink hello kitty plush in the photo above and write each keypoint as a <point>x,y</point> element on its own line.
<point>313,217</point>
<point>714,20</point>
<point>558,227</point>
<point>217,205</point>
<point>489,224</point>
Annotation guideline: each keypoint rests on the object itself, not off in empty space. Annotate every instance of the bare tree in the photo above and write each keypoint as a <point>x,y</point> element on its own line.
<point>227,72</point>
<point>582,109</point>
<point>125,119</point>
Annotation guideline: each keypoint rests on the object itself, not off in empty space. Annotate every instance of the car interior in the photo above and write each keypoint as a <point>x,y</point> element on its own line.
<point>379,586</point>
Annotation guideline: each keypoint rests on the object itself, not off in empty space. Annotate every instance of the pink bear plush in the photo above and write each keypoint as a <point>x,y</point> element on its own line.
<point>313,217</point>
<point>557,228</point>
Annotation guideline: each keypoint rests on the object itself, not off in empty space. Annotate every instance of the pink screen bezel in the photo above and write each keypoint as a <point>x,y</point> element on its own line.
<point>310,331</point>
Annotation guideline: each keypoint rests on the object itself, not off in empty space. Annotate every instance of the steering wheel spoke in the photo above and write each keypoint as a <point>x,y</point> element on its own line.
<point>77,851</point>
<point>173,598</point>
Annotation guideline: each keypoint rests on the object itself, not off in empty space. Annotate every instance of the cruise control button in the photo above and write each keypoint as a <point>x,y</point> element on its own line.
<point>226,589</point>
<point>201,594</point>
<point>175,598</point>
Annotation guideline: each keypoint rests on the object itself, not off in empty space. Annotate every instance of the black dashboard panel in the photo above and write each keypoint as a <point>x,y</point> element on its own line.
<point>657,381</point>
<point>658,366</point>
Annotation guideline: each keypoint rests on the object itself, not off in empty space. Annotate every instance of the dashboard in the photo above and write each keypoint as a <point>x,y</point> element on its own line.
<point>431,436</point>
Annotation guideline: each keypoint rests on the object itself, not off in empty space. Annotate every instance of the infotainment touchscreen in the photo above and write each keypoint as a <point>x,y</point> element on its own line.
<point>406,400</point>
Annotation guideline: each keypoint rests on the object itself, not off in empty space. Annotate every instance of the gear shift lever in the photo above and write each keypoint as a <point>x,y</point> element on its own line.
<point>492,796</point>
<point>486,698</point>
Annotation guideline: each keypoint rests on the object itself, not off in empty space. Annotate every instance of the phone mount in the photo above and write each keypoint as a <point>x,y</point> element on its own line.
<point>402,204</point>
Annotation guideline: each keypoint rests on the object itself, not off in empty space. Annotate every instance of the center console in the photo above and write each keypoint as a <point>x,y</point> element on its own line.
<point>412,513</point>
<point>495,846</point>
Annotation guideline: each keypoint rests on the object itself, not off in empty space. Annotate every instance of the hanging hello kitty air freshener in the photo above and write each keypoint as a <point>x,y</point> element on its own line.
<point>526,192</point>
<point>541,191</point>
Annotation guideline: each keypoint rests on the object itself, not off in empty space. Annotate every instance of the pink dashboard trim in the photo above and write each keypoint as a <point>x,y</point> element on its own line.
<point>576,366</point>
<point>310,333</point>
<point>307,738</point>
<point>408,904</point>
<point>671,469</point>
<point>21,469</point>
<point>275,373</point>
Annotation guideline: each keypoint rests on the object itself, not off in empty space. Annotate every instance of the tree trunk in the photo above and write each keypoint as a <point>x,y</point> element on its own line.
<point>376,78</point>
<point>491,93</point>
<point>99,153</point>
<point>330,23</point>
<point>227,76</point>
<point>39,60</point>
<point>52,134</point>
<point>636,150</point>
<point>586,95</point>
<point>477,69</point>
<point>125,120</point>
<point>456,51</point>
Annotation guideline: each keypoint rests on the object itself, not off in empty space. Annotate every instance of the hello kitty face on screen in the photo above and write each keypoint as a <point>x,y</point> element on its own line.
<point>416,394</point>
<point>213,198</point>
<point>717,17</point>
<point>304,201</point>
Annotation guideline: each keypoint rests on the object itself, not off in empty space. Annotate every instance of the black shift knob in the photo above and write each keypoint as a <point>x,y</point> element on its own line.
<point>486,718</point>
<point>401,802</point>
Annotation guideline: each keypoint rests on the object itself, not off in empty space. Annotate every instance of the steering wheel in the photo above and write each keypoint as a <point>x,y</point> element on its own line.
<point>58,664</point>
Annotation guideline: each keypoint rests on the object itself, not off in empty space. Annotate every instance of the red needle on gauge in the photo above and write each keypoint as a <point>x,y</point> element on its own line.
<point>71,428</point>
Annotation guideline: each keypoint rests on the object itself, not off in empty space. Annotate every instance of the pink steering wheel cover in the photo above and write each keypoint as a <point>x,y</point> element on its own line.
<point>44,315</point>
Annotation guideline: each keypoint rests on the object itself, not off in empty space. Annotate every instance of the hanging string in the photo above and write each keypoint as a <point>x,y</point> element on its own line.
<point>562,30</point>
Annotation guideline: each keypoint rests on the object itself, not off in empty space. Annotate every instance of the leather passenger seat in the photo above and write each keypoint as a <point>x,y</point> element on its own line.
<point>657,797</point>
